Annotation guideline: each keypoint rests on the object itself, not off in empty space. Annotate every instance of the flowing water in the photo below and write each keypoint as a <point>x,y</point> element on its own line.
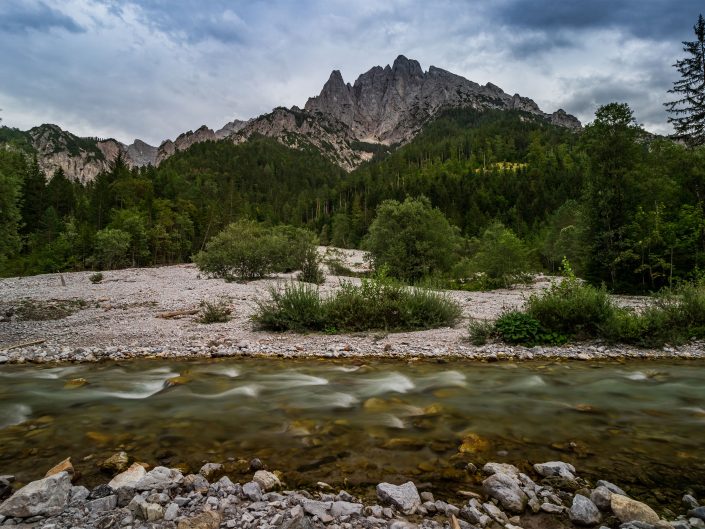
<point>641,425</point>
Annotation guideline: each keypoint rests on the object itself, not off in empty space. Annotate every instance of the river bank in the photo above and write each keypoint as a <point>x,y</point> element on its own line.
<point>551,495</point>
<point>67,318</point>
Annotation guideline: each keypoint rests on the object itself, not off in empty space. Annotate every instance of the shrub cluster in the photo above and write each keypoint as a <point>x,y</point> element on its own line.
<point>374,304</point>
<point>215,311</point>
<point>247,250</point>
<point>572,309</point>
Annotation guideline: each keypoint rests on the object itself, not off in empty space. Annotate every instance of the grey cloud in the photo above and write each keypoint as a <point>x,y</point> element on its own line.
<point>19,17</point>
<point>646,19</point>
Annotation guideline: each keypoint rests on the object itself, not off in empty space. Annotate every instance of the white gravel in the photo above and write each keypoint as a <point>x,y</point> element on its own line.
<point>121,315</point>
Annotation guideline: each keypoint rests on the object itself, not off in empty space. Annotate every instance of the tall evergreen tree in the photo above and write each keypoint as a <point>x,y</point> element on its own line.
<point>688,112</point>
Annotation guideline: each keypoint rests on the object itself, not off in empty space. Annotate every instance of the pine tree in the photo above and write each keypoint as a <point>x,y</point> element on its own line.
<point>688,112</point>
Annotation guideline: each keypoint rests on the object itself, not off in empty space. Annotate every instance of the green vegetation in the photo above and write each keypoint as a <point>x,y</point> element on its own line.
<point>412,240</point>
<point>688,111</point>
<point>573,309</point>
<point>215,311</point>
<point>247,250</point>
<point>55,309</point>
<point>476,201</point>
<point>96,278</point>
<point>373,305</point>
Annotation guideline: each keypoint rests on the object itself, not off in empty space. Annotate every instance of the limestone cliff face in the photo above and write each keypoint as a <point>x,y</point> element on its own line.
<point>83,159</point>
<point>299,129</point>
<point>390,105</point>
<point>183,142</point>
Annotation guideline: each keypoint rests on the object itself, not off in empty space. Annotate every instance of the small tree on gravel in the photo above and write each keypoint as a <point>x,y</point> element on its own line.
<point>412,239</point>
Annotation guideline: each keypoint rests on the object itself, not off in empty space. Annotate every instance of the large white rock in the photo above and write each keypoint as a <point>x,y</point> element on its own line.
<point>505,489</point>
<point>555,468</point>
<point>584,511</point>
<point>405,496</point>
<point>129,478</point>
<point>628,510</point>
<point>44,497</point>
<point>160,478</point>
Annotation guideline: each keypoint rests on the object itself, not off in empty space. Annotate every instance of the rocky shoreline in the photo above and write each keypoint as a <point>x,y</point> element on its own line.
<point>552,497</point>
<point>343,347</point>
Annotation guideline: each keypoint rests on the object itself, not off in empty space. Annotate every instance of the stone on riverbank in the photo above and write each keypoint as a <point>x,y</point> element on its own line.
<point>44,497</point>
<point>555,468</point>
<point>160,478</point>
<point>628,510</point>
<point>404,497</point>
<point>266,480</point>
<point>505,489</point>
<point>129,478</point>
<point>205,520</point>
<point>584,511</point>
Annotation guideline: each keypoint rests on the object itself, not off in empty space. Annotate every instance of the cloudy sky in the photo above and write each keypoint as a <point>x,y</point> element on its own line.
<point>155,68</point>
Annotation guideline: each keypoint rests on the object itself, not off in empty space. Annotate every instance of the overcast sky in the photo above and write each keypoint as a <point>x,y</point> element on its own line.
<point>152,69</point>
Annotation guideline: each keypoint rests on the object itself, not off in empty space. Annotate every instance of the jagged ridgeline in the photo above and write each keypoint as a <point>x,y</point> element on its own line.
<point>384,108</point>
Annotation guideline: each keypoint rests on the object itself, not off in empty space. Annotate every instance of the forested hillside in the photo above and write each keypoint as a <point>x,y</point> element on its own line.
<point>624,207</point>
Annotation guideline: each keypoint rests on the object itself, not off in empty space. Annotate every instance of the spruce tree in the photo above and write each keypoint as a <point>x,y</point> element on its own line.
<point>688,112</point>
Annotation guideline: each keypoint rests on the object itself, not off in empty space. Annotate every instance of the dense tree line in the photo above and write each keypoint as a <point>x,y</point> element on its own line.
<point>626,208</point>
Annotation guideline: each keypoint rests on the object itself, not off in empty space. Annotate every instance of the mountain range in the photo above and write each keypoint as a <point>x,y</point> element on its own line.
<point>384,108</point>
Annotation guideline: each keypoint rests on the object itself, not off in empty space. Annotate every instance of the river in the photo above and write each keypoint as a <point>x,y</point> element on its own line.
<point>353,424</point>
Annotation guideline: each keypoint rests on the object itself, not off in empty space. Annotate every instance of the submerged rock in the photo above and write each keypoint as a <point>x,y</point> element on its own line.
<point>64,466</point>
<point>44,497</point>
<point>405,497</point>
<point>115,463</point>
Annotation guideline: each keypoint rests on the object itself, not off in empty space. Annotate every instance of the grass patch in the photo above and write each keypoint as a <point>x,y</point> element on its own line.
<point>96,278</point>
<point>215,311</point>
<point>373,305</point>
<point>54,309</point>
<point>480,331</point>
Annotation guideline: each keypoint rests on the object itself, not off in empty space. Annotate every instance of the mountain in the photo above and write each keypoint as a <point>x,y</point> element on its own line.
<point>384,108</point>
<point>390,105</point>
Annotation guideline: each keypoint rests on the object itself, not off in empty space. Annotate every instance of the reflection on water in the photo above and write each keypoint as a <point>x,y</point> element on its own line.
<point>639,424</point>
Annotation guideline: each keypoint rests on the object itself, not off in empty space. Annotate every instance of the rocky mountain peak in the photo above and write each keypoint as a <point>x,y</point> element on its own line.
<point>390,105</point>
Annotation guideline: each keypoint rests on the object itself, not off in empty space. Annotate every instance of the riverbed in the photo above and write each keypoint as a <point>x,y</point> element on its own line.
<point>356,423</point>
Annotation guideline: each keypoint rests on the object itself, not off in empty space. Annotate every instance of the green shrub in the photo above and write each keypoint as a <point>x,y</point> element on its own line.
<point>480,331</point>
<point>374,304</point>
<point>311,267</point>
<point>674,317</point>
<point>247,250</point>
<point>501,258</point>
<point>520,328</point>
<point>215,311</point>
<point>96,278</point>
<point>244,250</point>
<point>571,307</point>
<point>296,307</point>
<point>412,238</point>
